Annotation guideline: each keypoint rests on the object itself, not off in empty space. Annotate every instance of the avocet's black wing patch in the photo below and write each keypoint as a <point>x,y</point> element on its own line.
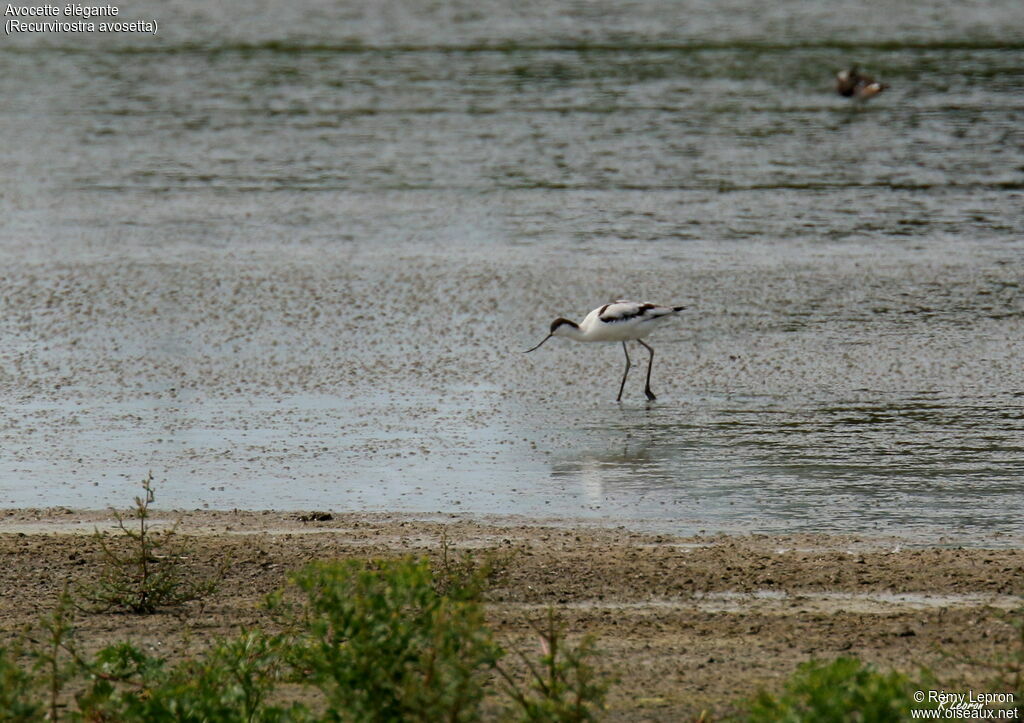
<point>624,311</point>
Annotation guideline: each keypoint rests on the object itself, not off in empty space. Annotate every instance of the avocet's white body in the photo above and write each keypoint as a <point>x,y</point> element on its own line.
<point>620,321</point>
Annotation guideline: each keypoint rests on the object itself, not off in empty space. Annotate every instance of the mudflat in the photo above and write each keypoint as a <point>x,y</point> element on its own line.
<point>685,625</point>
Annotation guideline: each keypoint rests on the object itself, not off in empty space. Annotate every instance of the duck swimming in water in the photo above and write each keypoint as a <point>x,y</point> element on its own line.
<point>851,83</point>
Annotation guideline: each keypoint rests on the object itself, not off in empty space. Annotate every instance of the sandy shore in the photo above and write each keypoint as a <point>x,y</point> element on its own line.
<point>686,624</point>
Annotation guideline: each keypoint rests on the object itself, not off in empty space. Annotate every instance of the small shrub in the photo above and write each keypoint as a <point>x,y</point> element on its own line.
<point>54,655</point>
<point>121,677</point>
<point>383,645</point>
<point>19,691</point>
<point>466,576</point>
<point>842,690</point>
<point>564,686</point>
<point>373,641</point>
<point>230,683</point>
<point>151,573</point>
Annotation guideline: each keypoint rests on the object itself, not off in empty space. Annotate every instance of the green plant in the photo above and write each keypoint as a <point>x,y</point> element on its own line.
<point>150,572</point>
<point>54,654</point>
<point>18,690</point>
<point>372,641</point>
<point>121,678</point>
<point>564,686</point>
<point>383,645</point>
<point>841,690</point>
<point>465,575</point>
<point>231,683</point>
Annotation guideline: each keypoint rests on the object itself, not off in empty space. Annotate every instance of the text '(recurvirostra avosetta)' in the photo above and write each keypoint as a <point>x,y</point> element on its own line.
<point>27,19</point>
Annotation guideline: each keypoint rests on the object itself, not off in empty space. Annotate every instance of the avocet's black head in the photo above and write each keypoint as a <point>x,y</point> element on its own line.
<point>558,328</point>
<point>559,322</point>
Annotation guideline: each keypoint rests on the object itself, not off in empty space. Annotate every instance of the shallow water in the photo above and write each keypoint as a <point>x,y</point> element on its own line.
<point>290,259</point>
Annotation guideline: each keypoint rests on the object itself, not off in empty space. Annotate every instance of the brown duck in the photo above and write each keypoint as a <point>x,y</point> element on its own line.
<point>852,83</point>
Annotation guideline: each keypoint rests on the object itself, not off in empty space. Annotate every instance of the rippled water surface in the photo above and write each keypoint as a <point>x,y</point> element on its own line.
<point>288,255</point>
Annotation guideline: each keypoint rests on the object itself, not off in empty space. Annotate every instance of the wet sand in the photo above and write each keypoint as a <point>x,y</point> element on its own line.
<point>686,624</point>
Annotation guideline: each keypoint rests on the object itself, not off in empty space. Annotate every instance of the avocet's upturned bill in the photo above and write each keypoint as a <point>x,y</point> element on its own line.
<point>618,321</point>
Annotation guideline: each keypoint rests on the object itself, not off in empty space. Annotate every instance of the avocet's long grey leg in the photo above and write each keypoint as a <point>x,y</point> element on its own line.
<point>624,374</point>
<point>647,389</point>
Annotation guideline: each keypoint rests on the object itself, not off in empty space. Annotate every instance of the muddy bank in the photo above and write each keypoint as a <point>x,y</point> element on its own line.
<point>685,623</point>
